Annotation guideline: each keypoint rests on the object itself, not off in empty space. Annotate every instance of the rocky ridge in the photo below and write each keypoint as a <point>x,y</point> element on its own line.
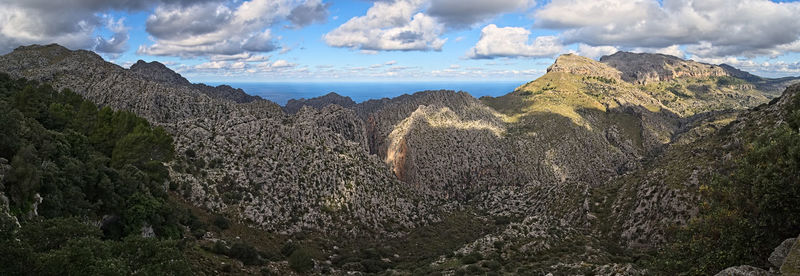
<point>643,68</point>
<point>158,72</point>
<point>250,161</point>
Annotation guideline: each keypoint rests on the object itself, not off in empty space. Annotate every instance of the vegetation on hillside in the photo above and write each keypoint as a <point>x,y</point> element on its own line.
<point>72,167</point>
<point>746,213</point>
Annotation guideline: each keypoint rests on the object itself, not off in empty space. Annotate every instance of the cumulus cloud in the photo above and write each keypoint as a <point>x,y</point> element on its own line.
<point>415,25</point>
<point>711,28</point>
<point>240,68</point>
<point>309,12</point>
<point>245,57</point>
<point>465,13</point>
<point>673,50</point>
<point>215,29</point>
<point>71,23</point>
<point>513,42</point>
<point>392,26</point>
<point>118,42</point>
<point>282,64</point>
<point>596,51</point>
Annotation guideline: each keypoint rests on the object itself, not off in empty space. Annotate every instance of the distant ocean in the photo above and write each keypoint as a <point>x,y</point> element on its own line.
<point>282,92</point>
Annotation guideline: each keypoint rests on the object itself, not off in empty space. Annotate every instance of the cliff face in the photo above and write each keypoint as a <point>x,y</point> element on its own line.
<point>643,68</point>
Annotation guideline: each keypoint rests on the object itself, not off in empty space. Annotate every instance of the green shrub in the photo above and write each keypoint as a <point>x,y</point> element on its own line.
<point>221,222</point>
<point>471,258</point>
<point>300,260</point>
<point>245,253</point>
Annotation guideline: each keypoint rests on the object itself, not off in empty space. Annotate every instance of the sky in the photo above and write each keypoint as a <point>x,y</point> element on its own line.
<point>404,40</point>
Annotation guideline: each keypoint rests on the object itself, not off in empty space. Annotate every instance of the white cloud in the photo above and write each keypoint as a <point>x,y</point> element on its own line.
<point>282,64</point>
<point>465,13</point>
<point>596,52</point>
<point>390,26</point>
<point>212,65</point>
<point>118,42</point>
<point>673,50</point>
<point>215,29</point>
<point>309,12</point>
<point>775,68</point>
<point>246,57</point>
<point>711,28</point>
<point>513,42</point>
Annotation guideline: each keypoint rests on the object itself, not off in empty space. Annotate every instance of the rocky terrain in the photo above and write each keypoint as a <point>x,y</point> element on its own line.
<point>155,71</point>
<point>251,161</point>
<point>575,170</point>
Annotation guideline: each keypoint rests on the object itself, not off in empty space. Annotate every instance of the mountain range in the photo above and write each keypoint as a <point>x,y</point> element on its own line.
<point>597,167</point>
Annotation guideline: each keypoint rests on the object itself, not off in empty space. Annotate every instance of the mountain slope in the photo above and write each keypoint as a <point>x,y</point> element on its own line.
<point>251,161</point>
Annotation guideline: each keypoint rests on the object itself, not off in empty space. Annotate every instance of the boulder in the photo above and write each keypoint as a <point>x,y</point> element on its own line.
<point>791,264</point>
<point>780,252</point>
<point>743,270</point>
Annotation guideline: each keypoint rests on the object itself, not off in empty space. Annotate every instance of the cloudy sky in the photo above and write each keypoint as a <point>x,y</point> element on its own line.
<point>300,40</point>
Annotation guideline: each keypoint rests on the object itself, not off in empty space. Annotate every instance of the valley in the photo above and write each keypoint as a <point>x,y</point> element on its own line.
<point>633,164</point>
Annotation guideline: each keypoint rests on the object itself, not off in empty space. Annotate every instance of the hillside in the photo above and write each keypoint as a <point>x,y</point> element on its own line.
<point>251,160</point>
<point>581,171</point>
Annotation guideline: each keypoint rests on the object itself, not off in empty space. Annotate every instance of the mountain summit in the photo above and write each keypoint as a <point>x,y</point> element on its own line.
<point>158,72</point>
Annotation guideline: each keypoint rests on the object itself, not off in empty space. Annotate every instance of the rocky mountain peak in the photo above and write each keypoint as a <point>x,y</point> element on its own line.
<point>578,65</point>
<point>293,106</point>
<point>25,58</point>
<point>157,71</point>
<point>55,51</point>
<point>644,68</point>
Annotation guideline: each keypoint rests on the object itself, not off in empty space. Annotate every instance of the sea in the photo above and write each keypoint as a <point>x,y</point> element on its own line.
<point>282,92</point>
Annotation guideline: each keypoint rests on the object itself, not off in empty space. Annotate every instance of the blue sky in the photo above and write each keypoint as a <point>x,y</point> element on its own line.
<point>398,40</point>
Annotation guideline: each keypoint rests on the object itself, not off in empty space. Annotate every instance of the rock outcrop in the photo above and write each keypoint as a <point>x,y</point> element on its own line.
<point>778,255</point>
<point>791,263</point>
<point>644,68</point>
<point>578,65</point>
<point>785,261</point>
<point>744,270</point>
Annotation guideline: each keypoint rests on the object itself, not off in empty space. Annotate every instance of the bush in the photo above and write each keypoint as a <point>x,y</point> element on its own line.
<point>245,253</point>
<point>492,265</point>
<point>471,258</point>
<point>221,222</point>
<point>300,260</point>
<point>473,269</point>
